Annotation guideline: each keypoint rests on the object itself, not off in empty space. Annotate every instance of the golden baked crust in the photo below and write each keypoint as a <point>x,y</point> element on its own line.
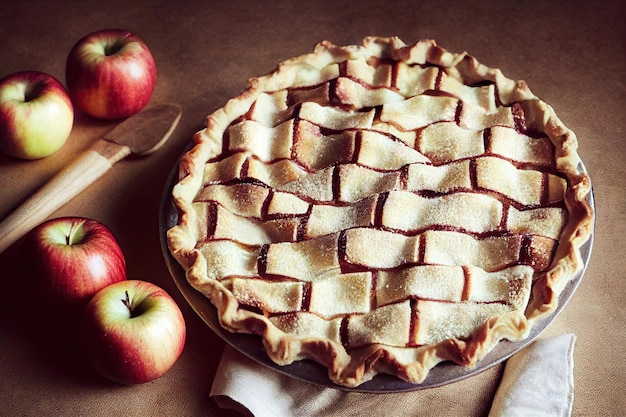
<point>382,208</point>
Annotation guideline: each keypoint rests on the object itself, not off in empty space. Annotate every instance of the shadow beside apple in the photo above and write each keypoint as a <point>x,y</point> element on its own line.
<point>51,337</point>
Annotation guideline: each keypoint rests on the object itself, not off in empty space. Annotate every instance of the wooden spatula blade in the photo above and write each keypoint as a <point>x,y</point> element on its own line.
<point>146,131</point>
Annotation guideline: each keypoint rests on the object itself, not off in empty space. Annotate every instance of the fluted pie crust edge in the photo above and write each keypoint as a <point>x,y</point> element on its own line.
<point>350,363</point>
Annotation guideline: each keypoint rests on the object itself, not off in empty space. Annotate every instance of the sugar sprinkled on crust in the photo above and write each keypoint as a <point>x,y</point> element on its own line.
<point>382,208</point>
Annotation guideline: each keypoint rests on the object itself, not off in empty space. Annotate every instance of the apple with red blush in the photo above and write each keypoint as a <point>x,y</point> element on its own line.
<point>69,260</point>
<point>110,74</point>
<point>132,332</point>
<point>36,115</point>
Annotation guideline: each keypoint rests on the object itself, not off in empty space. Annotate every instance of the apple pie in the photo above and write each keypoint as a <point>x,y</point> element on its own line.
<point>382,208</point>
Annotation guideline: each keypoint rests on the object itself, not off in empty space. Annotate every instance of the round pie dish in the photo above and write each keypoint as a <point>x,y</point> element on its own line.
<point>312,372</point>
<point>383,209</point>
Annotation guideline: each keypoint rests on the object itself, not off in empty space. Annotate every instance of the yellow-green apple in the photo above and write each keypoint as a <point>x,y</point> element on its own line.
<point>110,74</point>
<point>36,115</point>
<point>132,332</point>
<point>70,259</point>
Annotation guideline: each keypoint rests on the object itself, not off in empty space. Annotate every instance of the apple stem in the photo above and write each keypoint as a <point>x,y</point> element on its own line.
<point>75,235</point>
<point>126,302</point>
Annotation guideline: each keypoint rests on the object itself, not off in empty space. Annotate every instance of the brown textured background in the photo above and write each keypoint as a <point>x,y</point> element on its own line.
<point>572,55</point>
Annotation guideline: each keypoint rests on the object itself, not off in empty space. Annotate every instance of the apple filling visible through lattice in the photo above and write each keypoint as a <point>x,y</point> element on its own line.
<point>381,208</point>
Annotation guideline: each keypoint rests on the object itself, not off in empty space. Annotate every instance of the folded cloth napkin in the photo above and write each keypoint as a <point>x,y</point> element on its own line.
<point>537,381</point>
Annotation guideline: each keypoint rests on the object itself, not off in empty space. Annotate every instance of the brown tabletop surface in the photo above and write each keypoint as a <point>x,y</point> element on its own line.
<point>571,54</point>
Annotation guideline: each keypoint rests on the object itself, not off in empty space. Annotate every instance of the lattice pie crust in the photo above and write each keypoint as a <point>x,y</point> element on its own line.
<point>382,208</point>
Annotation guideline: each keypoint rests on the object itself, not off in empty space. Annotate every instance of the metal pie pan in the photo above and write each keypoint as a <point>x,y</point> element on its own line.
<point>312,372</point>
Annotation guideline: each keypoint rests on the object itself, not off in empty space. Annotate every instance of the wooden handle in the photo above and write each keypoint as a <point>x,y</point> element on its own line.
<point>82,171</point>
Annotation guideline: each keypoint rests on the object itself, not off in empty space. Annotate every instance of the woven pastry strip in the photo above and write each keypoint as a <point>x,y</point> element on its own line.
<point>382,208</point>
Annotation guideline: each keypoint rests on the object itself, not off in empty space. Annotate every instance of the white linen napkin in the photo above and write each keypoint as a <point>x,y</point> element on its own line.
<point>537,381</point>
<point>265,392</point>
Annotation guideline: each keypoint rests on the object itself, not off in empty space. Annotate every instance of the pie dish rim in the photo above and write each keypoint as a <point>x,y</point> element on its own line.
<point>310,371</point>
<point>284,350</point>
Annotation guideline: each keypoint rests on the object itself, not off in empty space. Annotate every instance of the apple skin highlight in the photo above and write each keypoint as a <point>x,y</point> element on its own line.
<point>36,115</point>
<point>110,74</point>
<point>70,259</point>
<point>132,332</point>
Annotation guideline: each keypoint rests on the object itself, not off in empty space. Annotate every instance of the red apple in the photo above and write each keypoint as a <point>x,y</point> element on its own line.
<point>70,259</point>
<point>132,332</point>
<point>110,74</point>
<point>36,115</point>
